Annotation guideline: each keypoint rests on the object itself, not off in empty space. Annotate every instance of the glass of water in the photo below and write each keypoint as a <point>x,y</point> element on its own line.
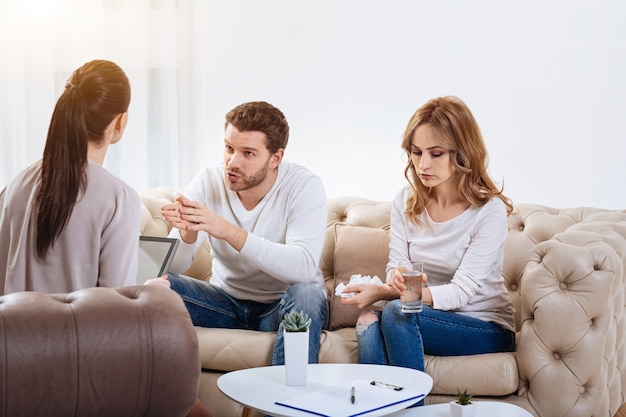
<point>412,273</point>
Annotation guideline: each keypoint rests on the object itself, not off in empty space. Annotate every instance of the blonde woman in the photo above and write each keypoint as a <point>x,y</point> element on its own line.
<point>452,217</point>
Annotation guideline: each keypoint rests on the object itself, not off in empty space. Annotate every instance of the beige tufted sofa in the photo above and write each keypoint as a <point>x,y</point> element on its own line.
<point>564,269</point>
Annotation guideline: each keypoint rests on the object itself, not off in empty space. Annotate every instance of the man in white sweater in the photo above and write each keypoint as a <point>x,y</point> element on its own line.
<point>265,219</point>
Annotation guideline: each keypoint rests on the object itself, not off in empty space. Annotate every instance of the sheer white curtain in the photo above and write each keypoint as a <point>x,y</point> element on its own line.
<point>157,43</point>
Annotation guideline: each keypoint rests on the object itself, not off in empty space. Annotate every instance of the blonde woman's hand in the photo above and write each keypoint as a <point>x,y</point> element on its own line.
<point>396,281</point>
<point>367,294</point>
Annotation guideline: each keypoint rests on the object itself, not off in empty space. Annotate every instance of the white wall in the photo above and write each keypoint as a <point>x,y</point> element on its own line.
<point>545,80</point>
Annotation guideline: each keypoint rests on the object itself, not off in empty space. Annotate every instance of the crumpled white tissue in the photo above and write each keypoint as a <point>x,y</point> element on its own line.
<point>356,279</point>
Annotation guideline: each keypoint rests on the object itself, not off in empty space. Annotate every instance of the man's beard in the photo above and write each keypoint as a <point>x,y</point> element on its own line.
<point>247,182</point>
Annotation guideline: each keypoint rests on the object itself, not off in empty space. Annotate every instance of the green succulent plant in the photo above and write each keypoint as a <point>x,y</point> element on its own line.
<point>463,398</point>
<point>296,321</point>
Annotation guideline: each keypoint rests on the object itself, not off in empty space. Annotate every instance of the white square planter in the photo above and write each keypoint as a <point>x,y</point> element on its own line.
<point>296,357</point>
<point>458,410</point>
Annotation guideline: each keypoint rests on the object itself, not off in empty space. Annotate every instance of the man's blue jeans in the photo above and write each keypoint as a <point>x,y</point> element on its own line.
<point>210,306</point>
<point>402,339</point>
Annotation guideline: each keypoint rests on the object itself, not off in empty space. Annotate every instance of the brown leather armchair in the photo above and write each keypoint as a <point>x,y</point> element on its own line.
<point>128,351</point>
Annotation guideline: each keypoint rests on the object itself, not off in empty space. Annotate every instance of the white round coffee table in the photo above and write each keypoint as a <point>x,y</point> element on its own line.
<point>485,408</point>
<point>260,388</point>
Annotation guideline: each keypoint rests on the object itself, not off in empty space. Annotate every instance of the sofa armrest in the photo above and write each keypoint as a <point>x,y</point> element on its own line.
<point>570,289</point>
<point>130,351</point>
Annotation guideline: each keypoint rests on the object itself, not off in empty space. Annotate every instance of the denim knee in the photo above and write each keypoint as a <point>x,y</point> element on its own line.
<point>402,336</point>
<point>366,320</point>
<point>308,298</point>
<point>371,348</point>
<point>311,300</point>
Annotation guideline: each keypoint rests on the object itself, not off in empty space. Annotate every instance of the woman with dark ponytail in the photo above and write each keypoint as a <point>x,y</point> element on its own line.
<point>65,222</point>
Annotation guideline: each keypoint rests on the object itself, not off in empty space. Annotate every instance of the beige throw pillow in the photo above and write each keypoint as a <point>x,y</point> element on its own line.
<point>358,250</point>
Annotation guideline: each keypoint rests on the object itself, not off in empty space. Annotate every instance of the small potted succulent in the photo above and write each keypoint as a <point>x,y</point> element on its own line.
<point>462,406</point>
<point>296,321</point>
<point>296,344</point>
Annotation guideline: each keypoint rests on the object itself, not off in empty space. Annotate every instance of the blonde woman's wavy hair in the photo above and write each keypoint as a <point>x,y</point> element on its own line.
<point>455,126</point>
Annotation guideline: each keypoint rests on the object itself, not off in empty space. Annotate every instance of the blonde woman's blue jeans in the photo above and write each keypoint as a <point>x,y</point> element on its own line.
<point>402,339</point>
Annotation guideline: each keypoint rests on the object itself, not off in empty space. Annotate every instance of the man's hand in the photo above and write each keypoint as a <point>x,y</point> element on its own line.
<point>190,217</point>
<point>173,215</point>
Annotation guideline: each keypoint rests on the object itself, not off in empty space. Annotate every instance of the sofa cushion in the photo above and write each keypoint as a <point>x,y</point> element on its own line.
<point>358,250</point>
<point>234,349</point>
<point>226,350</point>
<point>491,374</point>
<point>338,346</point>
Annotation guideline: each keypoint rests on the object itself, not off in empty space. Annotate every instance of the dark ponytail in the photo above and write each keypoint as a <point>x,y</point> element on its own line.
<point>94,95</point>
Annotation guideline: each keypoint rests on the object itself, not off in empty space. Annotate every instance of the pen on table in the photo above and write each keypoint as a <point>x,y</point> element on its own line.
<point>353,396</point>
<point>385,384</point>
